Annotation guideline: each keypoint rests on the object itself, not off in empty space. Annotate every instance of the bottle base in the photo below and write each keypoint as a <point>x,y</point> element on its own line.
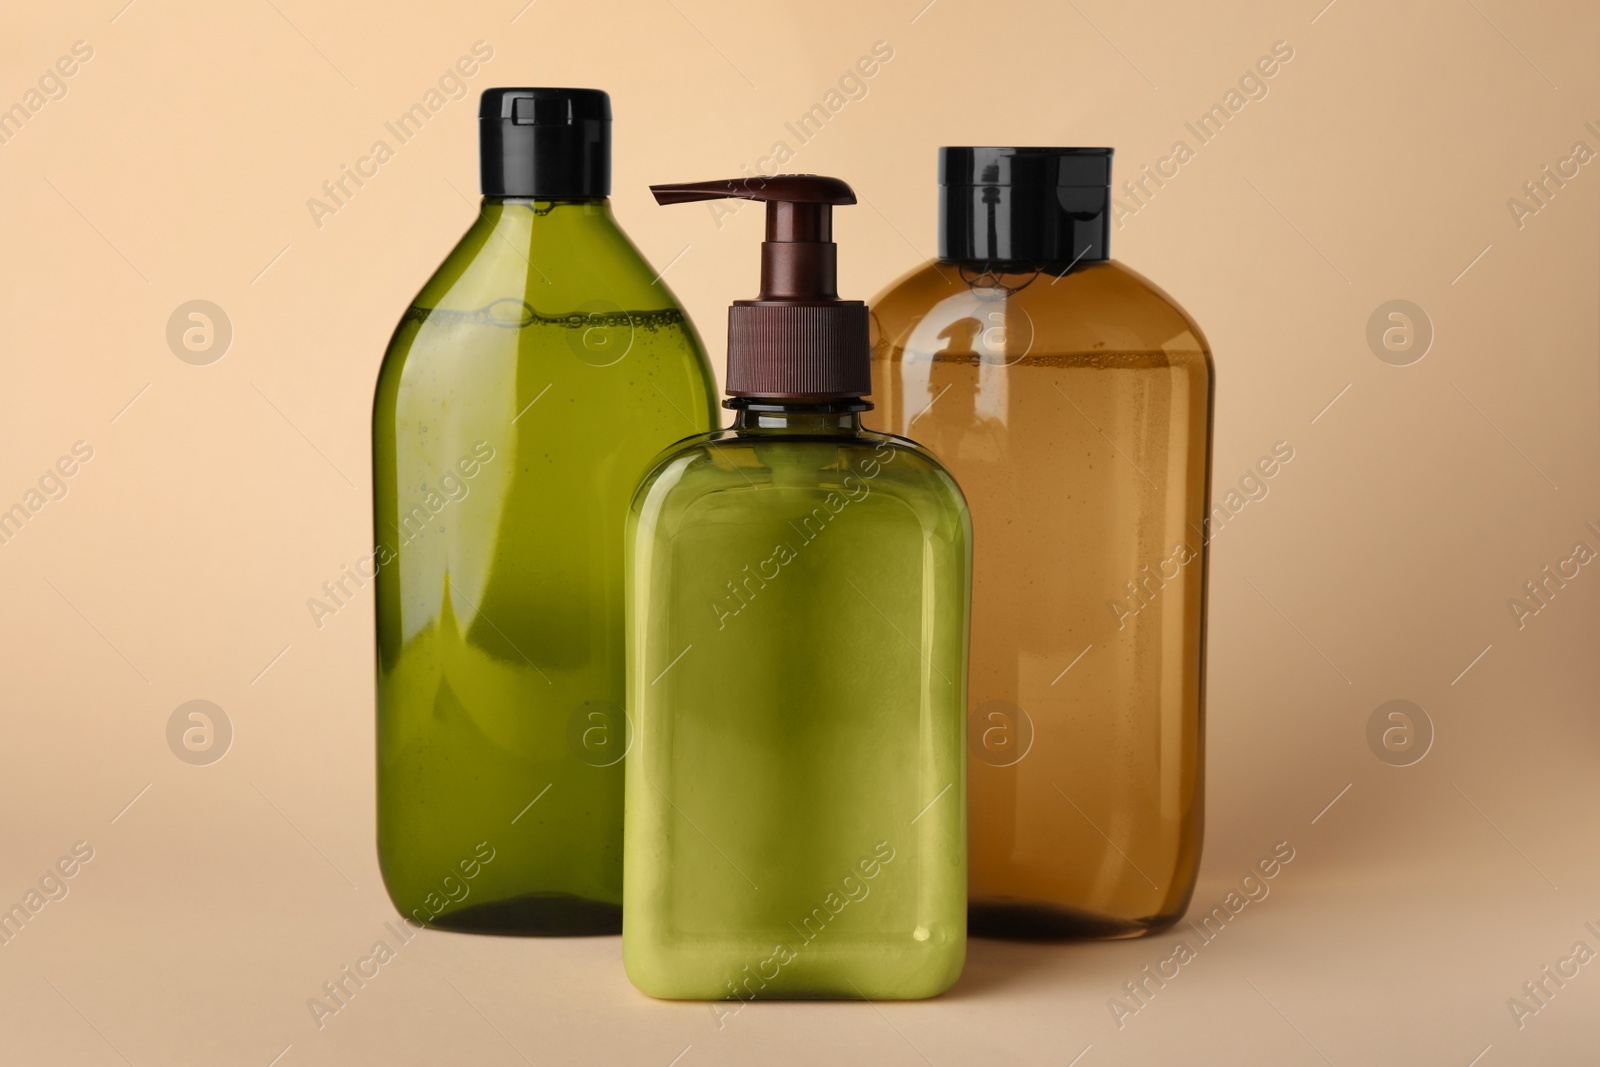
<point>795,993</point>
<point>742,967</point>
<point>1017,920</point>
<point>861,986</point>
<point>534,915</point>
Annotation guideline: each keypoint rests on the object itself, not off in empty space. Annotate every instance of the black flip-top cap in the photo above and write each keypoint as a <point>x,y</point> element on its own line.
<point>547,143</point>
<point>1026,206</point>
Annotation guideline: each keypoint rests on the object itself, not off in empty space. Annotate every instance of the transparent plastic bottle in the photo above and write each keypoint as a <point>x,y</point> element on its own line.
<point>1072,400</point>
<point>524,394</point>
<point>798,605</point>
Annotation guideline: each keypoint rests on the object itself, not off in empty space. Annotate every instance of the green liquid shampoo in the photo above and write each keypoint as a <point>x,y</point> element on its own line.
<point>524,394</point>
<point>797,640</point>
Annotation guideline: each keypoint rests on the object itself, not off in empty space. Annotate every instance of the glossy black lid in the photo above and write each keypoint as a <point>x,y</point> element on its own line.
<point>1034,206</point>
<point>548,143</point>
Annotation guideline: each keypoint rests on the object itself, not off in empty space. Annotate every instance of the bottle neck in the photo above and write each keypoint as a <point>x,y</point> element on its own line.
<point>788,419</point>
<point>550,216</point>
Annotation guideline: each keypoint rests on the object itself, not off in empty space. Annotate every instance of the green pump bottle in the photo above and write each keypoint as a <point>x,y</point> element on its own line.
<point>798,593</point>
<point>523,396</point>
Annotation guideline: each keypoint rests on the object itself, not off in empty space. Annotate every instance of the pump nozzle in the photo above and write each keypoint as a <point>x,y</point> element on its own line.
<point>797,340</point>
<point>790,188</point>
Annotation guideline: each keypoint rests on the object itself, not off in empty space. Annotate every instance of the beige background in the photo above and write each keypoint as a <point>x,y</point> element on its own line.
<point>177,567</point>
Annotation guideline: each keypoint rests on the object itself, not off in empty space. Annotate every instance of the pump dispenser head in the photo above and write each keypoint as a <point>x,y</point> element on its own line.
<point>797,341</point>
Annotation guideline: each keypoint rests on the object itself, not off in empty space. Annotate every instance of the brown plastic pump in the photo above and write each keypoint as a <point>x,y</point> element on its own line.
<point>797,340</point>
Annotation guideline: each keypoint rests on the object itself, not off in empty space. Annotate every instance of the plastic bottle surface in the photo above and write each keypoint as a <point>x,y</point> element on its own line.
<point>526,391</point>
<point>798,606</point>
<point>1072,400</point>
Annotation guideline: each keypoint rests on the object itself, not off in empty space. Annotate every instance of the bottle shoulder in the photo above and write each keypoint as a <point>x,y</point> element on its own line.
<point>568,288</point>
<point>845,449</point>
<point>726,460</point>
<point>557,260</point>
<point>953,308</point>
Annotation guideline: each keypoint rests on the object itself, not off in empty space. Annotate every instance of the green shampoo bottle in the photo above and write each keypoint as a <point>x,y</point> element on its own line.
<point>524,394</point>
<point>798,593</point>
